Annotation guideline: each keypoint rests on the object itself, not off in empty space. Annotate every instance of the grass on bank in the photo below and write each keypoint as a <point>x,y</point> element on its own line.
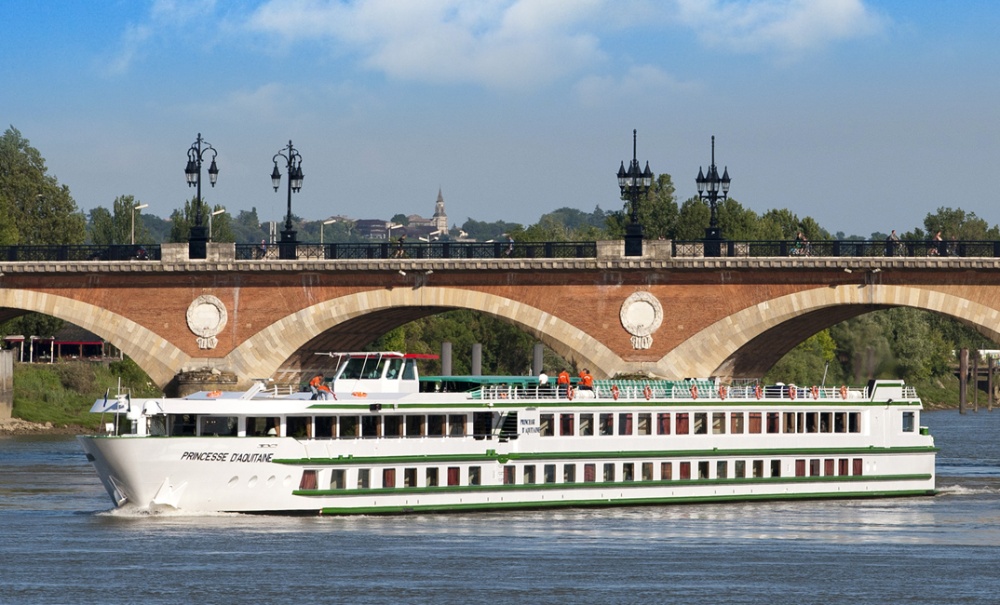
<point>63,393</point>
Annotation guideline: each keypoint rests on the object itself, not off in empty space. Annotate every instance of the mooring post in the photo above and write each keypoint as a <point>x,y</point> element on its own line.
<point>990,365</point>
<point>963,373</point>
<point>477,359</point>
<point>975,382</point>
<point>446,358</point>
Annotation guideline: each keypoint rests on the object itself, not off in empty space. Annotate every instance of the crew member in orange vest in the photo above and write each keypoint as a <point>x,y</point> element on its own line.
<point>586,380</point>
<point>319,390</point>
<point>562,382</point>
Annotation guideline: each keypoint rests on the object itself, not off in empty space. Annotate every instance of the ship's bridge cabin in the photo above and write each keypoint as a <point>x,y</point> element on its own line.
<point>384,372</point>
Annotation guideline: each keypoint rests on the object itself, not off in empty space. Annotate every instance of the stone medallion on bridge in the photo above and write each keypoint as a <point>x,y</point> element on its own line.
<point>641,316</point>
<point>206,317</point>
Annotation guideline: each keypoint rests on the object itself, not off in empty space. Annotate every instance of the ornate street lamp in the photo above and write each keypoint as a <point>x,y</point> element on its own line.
<point>293,163</point>
<point>709,188</point>
<point>633,183</point>
<point>197,242</point>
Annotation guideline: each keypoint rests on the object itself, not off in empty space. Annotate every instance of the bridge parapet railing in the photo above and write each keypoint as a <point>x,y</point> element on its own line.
<point>421,250</point>
<point>837,248</point>
<point>58,253</point>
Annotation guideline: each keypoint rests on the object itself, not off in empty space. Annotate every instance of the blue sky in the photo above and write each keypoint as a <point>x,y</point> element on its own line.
<point>864,114</point>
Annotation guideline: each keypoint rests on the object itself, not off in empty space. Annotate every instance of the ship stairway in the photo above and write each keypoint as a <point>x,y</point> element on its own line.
<point>507,428</point>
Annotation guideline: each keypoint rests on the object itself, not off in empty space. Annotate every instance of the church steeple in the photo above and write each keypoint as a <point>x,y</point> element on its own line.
<point>440,218</point>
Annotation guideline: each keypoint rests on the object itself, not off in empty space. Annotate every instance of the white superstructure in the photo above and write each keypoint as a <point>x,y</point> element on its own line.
<point>382,445</point>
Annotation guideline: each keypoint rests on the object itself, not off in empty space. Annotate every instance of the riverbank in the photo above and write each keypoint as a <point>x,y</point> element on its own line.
<point>16,426</point>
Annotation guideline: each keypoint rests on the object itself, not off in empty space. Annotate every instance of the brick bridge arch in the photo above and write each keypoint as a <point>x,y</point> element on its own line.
<point>748,343</point>
<point>158,357</point>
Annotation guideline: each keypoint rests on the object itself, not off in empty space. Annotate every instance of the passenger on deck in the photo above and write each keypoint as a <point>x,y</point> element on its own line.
<point>586,380</point>
<point>562,382</point>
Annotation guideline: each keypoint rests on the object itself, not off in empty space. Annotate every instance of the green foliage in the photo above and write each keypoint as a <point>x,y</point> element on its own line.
<point>808,363</point>
<point>115,226</point>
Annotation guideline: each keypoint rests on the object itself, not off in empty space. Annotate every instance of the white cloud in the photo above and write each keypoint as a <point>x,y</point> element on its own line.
<point>785,26</point>
<point>638,81</point>
<point>164,14</point>
<point>494,43</point>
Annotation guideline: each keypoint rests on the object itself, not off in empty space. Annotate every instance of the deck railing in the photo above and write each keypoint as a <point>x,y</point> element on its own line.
<point>640,391</point>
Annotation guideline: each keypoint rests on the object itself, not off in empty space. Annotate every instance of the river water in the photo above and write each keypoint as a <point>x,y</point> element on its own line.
<point>60,543</point>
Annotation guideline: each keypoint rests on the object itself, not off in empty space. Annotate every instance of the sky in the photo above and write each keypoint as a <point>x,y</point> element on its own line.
<point>865,115</point>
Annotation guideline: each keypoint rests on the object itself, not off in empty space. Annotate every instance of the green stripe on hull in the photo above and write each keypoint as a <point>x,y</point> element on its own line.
<point>487,506</point>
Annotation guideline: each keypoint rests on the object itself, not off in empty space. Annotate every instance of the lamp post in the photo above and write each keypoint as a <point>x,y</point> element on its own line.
<point>197,241</point>
<point>321,225</point>
<point>216,213</point>
<point>293,162</point>
<point>134,208</point>
<point>633,183</point>
<point>709,187</point>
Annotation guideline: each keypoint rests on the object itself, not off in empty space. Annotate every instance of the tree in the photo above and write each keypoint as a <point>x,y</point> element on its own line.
<point>400,219</point>
<point>692,220</point>
<point>115,227</point>
<point>958,224</point>
<point>34,208</point>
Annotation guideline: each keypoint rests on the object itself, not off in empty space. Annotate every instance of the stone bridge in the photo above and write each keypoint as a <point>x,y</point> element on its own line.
<point>654,314</point>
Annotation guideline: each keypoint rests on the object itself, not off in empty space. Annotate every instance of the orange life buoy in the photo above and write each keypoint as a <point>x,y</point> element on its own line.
<point>570,393</point>
<point>791,393</point>
<point>694,391</point>
<point>723,391</point>
<point>361,394</point>
<point>648,392</point>
<point>215,394</point>
<point>815,392</point>
<point>843,391</point>
<point>758,392</point>
<point>614,391</point>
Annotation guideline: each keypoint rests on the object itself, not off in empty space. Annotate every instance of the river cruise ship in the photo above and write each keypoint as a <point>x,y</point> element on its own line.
<point>386,441</point>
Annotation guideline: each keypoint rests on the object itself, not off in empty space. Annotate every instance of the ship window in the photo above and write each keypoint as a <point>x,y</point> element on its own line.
<point>393,426</point>
<point>299,426</point>
<point>647,471</point>
<point>456,425</point>
<point>908,422</point>
<point>508,474</point>
<point>547,426</point>
<point>625,424</point>
<point>800,468</point>
<point>628,471</point>
<point>858,467</point>
<point>802,423</point>
<point>718,423</point>
<point>825,422</point>
<point>569,473</point>
<point>219,426</point>
<point>666,471</point>
<point>589,473</point>
<point>814,467</point>
<point>645,424</point>
<point>529,474</point>
<point>388,477</point>
<point>757,468</point>
<point>338,479</point>
<point>454,475</point>
<point>414,426</point>
<point>776,468</point>
<point>840,422</point>
<point>432,476</point>
<point>364,478</point>
<point>549,472</point>
<point>609,472</point>
<point>740,469</point>
<point>436,425</point>
<point>811,424</point>
<point>409,477</point>
<point>410,369</point>
<point>586,425</point>
<point>326,427</point>
<point>789,422</point>
<point>828,467</point>
<point>308,480</point>
<point>683,423</point>
<point>736,423</point>
<point>607,424</point>
<point>566,424</point>
<point>394,366</point>
<point>854,422</point>
<point>371,426</point>
<point>842,467</point>
<point>352,369</point>
<point>721,469</point>
<point>773,419</point>
<point>349,426</point>
<point>703,469</point>
<point>701,423</point>
<point>754,422</point>
<point>482,425</point>
<point>663,423</point>
<point>256,427</point>
<point>685,470</point>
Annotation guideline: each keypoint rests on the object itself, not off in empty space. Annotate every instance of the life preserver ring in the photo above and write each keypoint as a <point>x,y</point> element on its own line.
<point>694,391</point>
<point>648,392</point>
<point>758,392</point>
<point>569,393</point>
<point>723,391</point>
<point>215,394</point>
<point>843,391</point>
<point>791,393</point>
<point>614,391</point>
<point>815,392</point>
<point>360,394</point>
